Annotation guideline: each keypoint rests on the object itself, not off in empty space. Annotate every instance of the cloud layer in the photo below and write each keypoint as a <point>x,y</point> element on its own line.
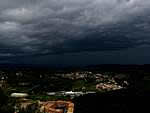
<point>35,27</point>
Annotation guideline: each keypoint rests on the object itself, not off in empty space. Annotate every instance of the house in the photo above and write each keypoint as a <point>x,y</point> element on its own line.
<point>3,81</point>
<point>56,107</point>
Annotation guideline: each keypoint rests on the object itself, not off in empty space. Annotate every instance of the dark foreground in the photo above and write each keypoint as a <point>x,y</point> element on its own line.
<point>122,101</point>
<point>134,97</point>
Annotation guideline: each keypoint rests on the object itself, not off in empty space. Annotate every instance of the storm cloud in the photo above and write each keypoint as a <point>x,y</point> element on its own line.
<point>38,27</point>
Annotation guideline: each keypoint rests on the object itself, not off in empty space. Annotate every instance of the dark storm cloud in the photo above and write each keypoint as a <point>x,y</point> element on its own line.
<point>35,27</point>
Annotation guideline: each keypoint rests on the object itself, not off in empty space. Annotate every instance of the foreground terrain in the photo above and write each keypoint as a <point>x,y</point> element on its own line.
<point>78,90</point>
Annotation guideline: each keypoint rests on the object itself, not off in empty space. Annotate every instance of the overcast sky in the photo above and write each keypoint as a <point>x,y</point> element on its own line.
<point>74,32</point>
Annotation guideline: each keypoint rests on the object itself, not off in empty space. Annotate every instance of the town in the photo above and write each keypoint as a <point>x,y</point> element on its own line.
<point>55,91</point>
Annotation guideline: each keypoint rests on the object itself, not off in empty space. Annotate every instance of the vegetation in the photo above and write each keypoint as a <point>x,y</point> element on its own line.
<point>38,82</point>
<point>5,104</point>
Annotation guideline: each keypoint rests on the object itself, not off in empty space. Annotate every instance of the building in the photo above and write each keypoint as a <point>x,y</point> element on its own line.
<point>3,81</point>
<point>56,107</point>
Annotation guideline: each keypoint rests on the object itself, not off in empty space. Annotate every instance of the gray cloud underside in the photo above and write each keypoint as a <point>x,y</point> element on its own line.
<point>36,27</point>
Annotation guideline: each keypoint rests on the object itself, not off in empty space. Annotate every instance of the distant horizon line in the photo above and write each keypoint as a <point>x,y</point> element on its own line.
<point>63,66</point>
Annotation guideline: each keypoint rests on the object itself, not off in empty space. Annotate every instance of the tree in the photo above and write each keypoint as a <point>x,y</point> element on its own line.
<point>4,106</point>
